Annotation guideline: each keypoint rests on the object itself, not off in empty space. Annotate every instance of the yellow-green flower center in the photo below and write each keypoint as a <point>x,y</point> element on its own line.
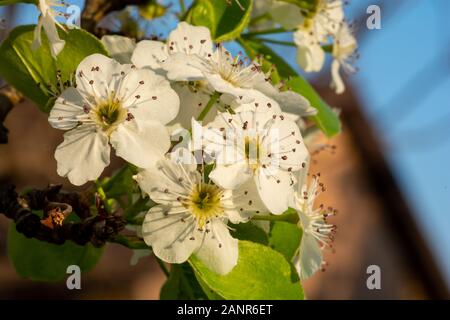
<point>204,203</point>
<point>109,114</point>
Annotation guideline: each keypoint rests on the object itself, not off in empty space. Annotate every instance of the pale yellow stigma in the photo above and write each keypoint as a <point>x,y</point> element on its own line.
<point>253,151</point>
<point>204,203</point>
<point>108,115</point>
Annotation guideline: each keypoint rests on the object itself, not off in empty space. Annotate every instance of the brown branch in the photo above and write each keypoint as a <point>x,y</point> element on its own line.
<point>57,205</point>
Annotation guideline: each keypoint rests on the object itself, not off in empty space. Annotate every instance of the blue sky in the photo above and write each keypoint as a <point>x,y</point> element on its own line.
<point>404,86</point>
<point>411,115</point>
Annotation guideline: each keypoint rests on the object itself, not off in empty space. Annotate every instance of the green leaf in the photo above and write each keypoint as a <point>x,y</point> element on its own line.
<point>285,238</point>
<point>42,261</point>
<point>225,21</point>
<point>181,284</point>
<point>207,290</point>
<point>249,232</point>
<point>120,183</point>
<point>133,210</point>
<point>326,119</point>
<point>261,273</point>
<point>30,70</point>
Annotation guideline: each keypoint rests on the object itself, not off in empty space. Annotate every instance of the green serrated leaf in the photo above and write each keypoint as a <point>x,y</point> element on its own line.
<point>225,21</point>
<point>42,261</point>
<point>261,273</point>
<point>25,68</point>
<point>285,238</point>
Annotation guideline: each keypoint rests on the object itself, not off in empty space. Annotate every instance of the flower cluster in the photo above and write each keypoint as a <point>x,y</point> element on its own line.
<point>246,155</point>
<point>319,27</point>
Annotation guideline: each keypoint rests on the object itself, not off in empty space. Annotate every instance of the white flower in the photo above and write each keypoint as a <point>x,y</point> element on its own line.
<point>116,104</point>
<point>318,24</point>
<point>310,55</point>
<point>343,52</point>
<point>233,76</point>
<point>192,214</point>
<point>47,20</point>
<point>260,145</point>
<point>317,232</point>
<point>189,60</point>
<point>185,39</point>
<point>189,40</point>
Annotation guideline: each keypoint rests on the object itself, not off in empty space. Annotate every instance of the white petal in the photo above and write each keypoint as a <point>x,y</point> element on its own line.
<point>285,145</point>
<point>37,41</point>
<point>219,250</point>
<point>294,103</point>
<point>223,86</point>
<point>329,20</point>
<point>190,39</point>
<point>99,82</point>
<point>169,234</point>
<point>120,48</point>
<point>336,81</point>
<point>191,105</point>
<point>275,189</point>
<point>344,43</point>
<point>302,176</point>
<point>165,181</point>
<point>141,144</point>
<point>149,54</point>
<point>149,96</point>
<point>181,67</point>
<point>289,101</point>
<point>56,44</point>
<point>67,108</point>
<point>310,55</point>
<point>246,203</point>
<point>82,155</point>
<point>309,259</point>
<point>231,176</point>
<point>256,100</point>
